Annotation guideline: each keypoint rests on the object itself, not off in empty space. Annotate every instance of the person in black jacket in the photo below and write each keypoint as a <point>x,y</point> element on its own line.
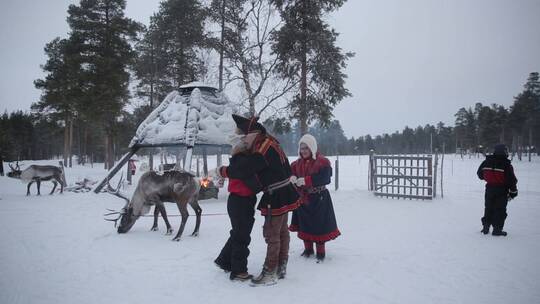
<point>501,185</point>
<point>267,161</point>
<point>233,257</point>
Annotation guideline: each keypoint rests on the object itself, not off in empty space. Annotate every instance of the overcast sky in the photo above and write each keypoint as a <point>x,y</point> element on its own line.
<point>416,62</point>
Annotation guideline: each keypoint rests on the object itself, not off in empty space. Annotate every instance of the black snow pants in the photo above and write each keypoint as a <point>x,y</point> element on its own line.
<point>496,199</point>
<point>235,252</point>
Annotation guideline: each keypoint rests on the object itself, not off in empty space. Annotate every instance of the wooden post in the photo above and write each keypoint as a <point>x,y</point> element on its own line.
<point>205,161</point>
<point>128,173</point>
<point>198,170</point>
<point>431,143</point>
<point>219,160</point>
<point>189,156</point>
<point>435,169</point>
<point>430,175</point>
<point>370,171</point>
<point>336,178</point>
<point>442,170</point>
<point>115,169</point>
<point>184,160</point>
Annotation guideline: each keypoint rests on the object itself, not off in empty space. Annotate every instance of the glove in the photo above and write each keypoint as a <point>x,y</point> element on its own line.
<point>220,182</point>
<point>300,182</point>
<point>214,173</point>
<point>293,179</point>
<point>513,194</point>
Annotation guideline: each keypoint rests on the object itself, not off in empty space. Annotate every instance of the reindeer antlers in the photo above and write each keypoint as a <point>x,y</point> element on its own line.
<point>116,192</point>
<point>112,212</point>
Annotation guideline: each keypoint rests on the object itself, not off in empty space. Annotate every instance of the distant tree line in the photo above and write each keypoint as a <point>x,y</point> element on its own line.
<point>476,129</point>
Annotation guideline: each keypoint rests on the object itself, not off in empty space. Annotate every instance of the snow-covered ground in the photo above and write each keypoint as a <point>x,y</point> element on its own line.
<point>58,249</point>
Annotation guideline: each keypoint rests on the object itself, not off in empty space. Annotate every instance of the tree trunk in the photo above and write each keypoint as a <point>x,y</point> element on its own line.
<point>85,142</point>
<point>111,152</point>
<point>105,160</point>
<point>302,106</point>
<point>252,111</point>
<point>79,143</point>
<point>519,147</point>
<point>530,141</point>
<point>70,143</point>
<point>1,165</point>
<point>221,45</point>
<point>151,151</point>
<point>66,138</point>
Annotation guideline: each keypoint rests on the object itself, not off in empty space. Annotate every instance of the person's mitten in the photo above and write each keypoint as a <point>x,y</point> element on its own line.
<point>300,182</point>
<point>220,182</point>
<point>293,179</point>
<point>512,194</point>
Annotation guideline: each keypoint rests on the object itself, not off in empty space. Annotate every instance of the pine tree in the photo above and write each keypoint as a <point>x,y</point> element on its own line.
<point>466,128</point>
<point>150,67</point>
<point>524,116</point>
<point>104,34</point>
<point>61,88</point>
<point>178,30</point>
<point>307,52</point>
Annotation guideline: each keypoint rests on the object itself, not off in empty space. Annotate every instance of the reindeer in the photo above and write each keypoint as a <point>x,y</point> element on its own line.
<point>37,174</point>
<point>179,187</point>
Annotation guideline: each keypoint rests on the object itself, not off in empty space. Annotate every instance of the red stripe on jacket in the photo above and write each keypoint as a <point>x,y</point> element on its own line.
<point>238,187</point>
<point>494,176</point>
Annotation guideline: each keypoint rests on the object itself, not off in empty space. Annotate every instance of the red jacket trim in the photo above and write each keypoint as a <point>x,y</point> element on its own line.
<point>316,238</point>
<point>282,210</point>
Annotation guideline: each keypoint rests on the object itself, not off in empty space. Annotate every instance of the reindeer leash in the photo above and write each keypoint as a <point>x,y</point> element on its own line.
<point>177,215</point>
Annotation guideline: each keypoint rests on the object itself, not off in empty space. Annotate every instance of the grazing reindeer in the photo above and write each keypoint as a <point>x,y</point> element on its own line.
<point>181,188</point>
<point>207,190</point>
<point>37,174</point>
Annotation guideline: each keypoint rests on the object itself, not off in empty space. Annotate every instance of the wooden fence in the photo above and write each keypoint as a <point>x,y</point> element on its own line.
<point>403,176</point>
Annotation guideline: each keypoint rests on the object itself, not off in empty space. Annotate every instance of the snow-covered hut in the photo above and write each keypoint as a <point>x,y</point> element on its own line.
<point>194,115</point>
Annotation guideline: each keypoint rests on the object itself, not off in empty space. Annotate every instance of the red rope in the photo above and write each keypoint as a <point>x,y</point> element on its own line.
<point>176,215</point>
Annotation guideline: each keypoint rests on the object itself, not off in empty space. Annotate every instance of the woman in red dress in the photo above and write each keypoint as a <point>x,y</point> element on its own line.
<point>315,220</point>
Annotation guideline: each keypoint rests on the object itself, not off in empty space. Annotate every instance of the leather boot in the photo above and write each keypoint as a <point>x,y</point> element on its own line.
<point>266,278</point>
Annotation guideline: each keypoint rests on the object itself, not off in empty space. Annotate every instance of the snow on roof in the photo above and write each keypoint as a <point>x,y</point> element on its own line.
<point>188,117</point>
<point>197,84</point>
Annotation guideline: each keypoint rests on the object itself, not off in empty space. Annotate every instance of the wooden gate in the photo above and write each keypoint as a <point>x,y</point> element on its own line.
<point>402,176</point>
